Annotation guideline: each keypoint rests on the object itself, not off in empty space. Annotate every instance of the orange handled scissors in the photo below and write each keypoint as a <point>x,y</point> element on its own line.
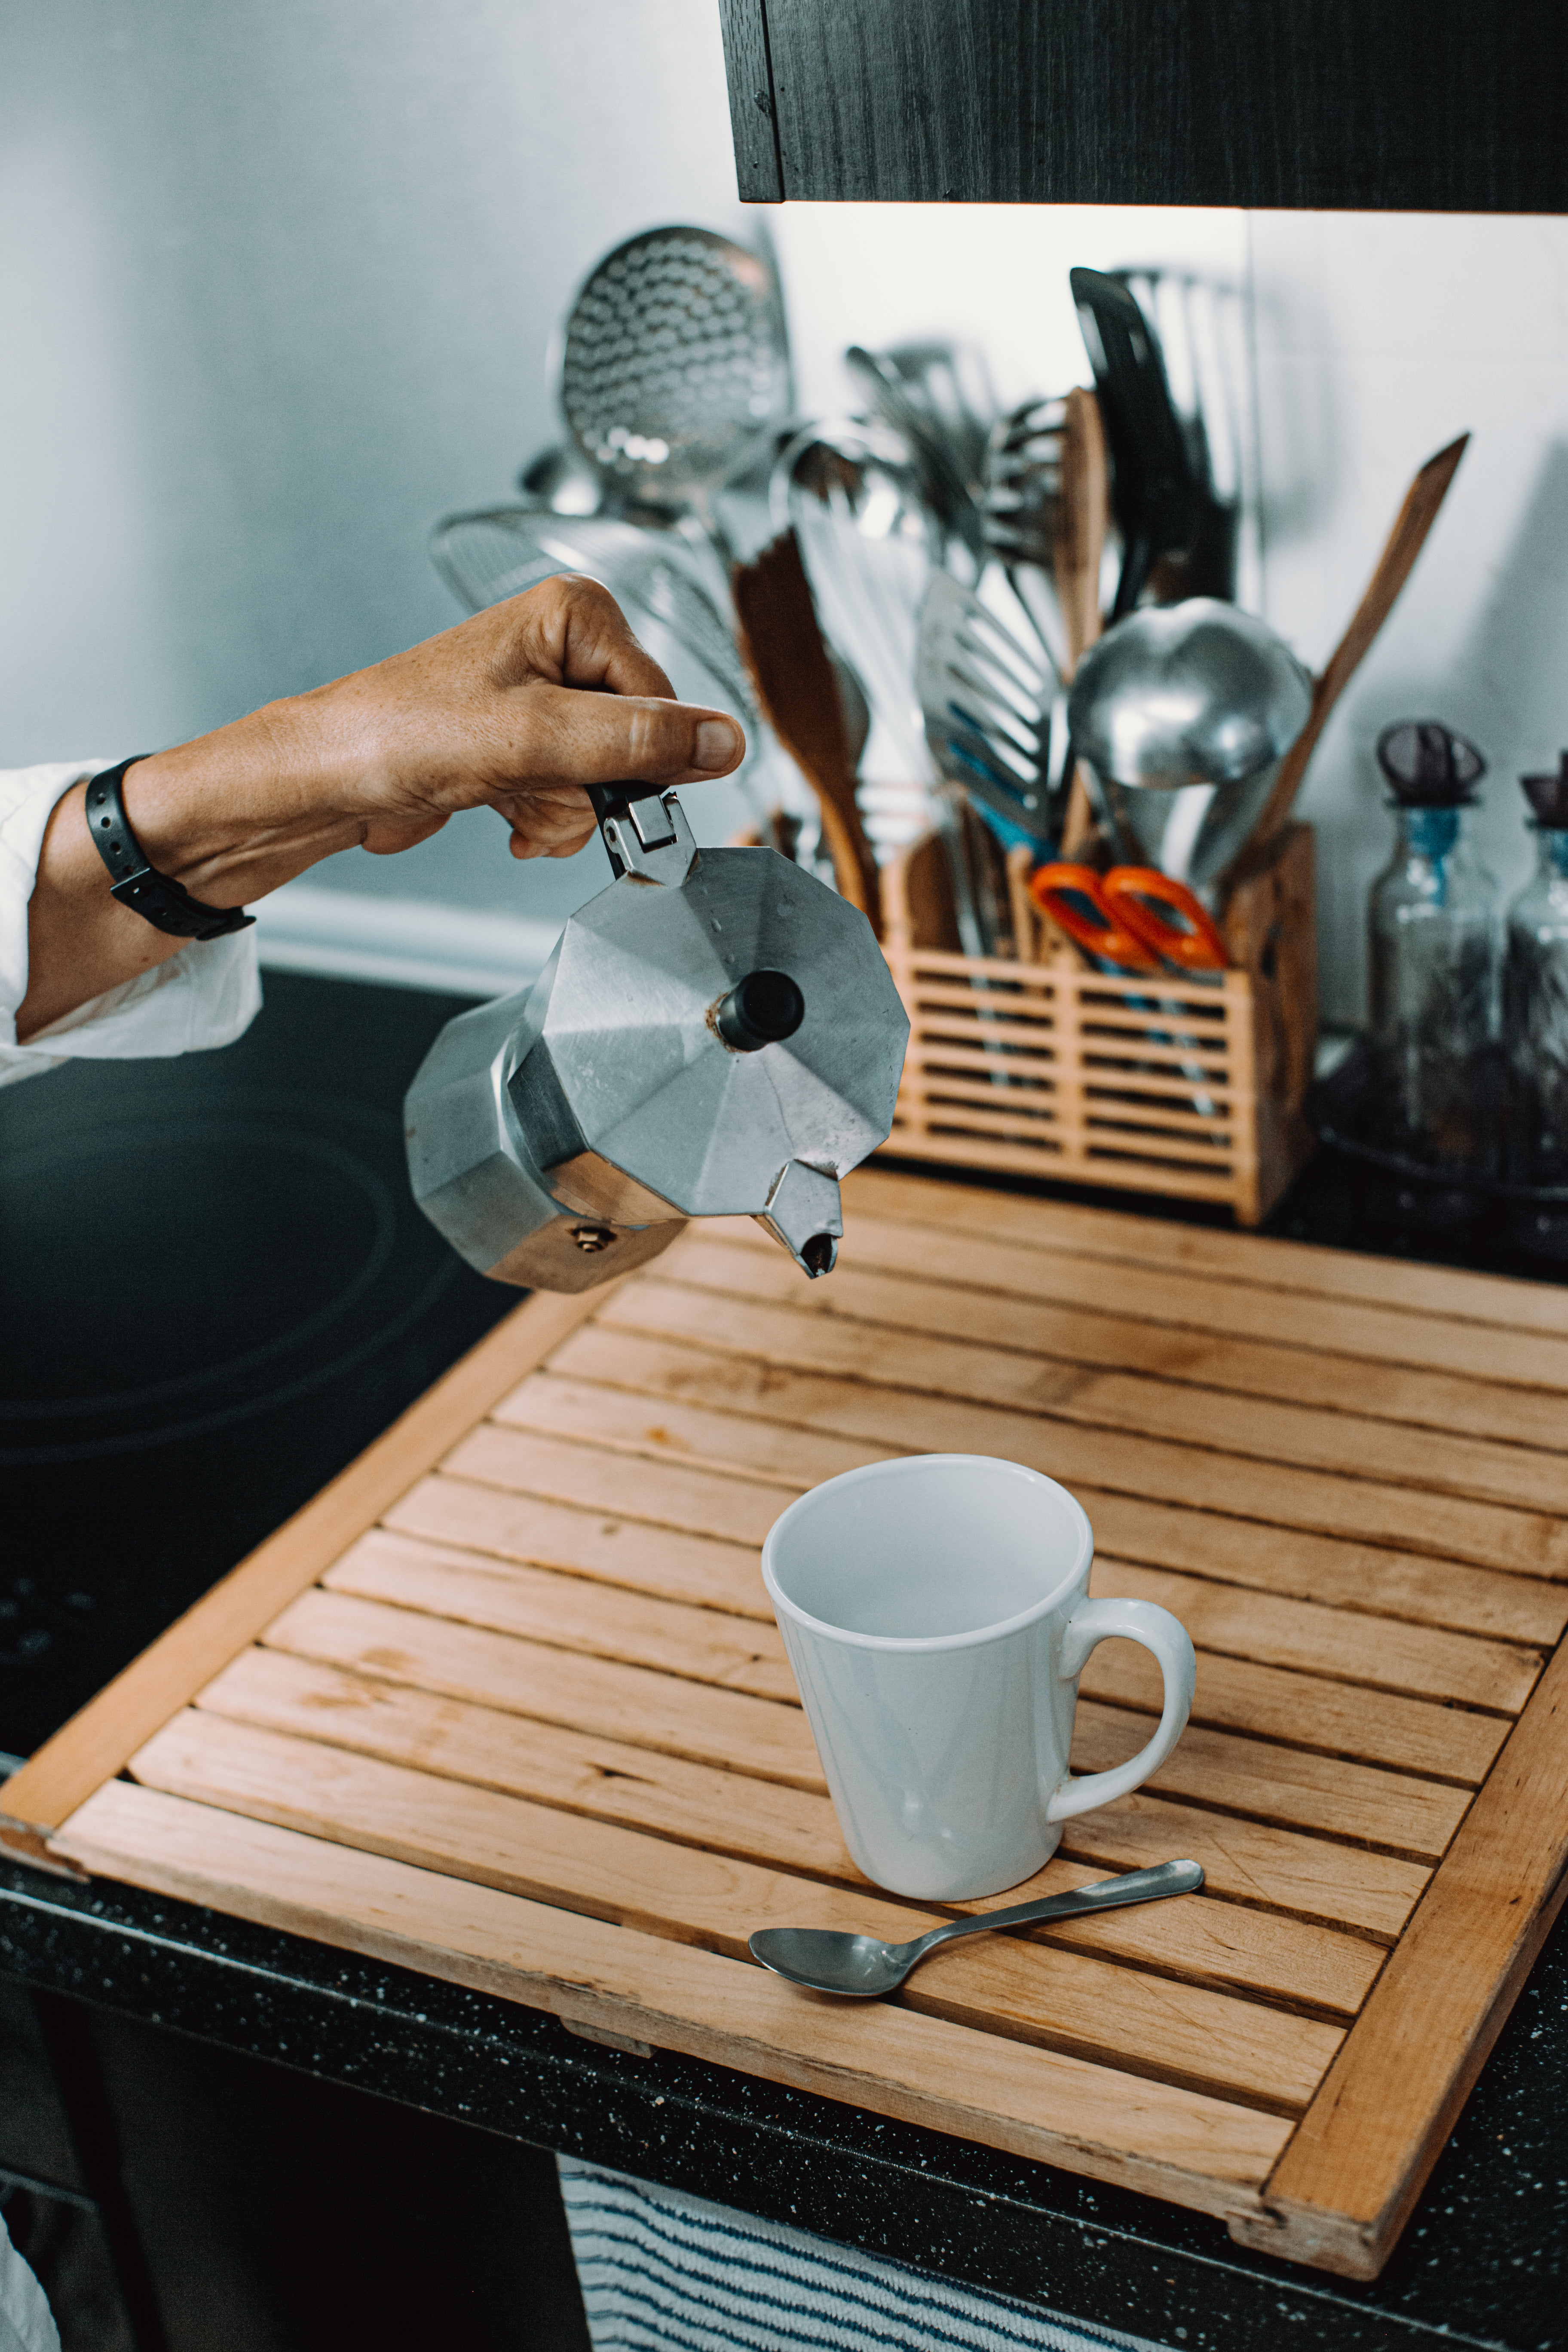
<point>1125,916</point>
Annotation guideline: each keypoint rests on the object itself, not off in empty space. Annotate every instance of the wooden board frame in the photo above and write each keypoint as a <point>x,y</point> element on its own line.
<point>1330,2184</point>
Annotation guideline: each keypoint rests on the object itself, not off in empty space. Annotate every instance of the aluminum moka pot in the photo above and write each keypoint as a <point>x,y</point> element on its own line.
<point>716,1035</point>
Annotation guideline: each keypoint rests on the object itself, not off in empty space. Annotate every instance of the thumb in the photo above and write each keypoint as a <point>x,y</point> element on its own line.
<point>594,737</point>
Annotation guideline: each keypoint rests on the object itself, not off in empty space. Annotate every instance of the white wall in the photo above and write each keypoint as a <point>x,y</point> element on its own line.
<point>1379,338</point>
<point>278,281</point>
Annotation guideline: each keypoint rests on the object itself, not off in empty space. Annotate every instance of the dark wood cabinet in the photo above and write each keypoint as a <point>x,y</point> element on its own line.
<point>1387,105</point>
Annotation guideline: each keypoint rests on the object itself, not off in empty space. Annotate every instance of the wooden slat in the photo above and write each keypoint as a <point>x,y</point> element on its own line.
<point>707,1725</point>
<point>1153,1150</point>
<point>795,1339</point>
<point>1365,1579</point>
<point>1302,1269</point>
<point>1021,1054</point>
<point>1346,2185</point>
<point>1412,1659</point>
<point>1345,1442</point>
<point>1060,2000</point>
<point>1193,1327</point>
<point>1308,1712</point>
<point>1331,1432</point>
<point>1214,1943</point>
<point>613,1389</point>
<point>618,1779</point>
<point>1109,1116</point>
<point>550,1405</point>
<point>1114,2127</point>
<point>1390,1810</point>
<point>661,1494</point>
<point>1250,1861</point>
<point>697,1569</point>
<point>94,1745</point>
<point>570,1613</point>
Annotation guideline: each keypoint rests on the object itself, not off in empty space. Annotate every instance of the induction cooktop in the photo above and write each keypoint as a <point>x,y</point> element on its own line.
<point>217,1291</point>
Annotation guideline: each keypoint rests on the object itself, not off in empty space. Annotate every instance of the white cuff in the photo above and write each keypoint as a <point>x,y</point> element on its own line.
<point>206,995</point>
<point>26,2324</point>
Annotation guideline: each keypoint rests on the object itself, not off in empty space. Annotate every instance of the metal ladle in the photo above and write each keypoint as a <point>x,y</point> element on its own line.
<point>1182,714</point>
<point>826,1959</point>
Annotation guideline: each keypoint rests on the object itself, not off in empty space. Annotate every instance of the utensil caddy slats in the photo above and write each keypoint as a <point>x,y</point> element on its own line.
<point>506,1703</point>
<point>1187,1087</point>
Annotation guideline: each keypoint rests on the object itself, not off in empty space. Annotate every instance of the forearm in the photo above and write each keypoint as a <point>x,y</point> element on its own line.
<point>230,816</point>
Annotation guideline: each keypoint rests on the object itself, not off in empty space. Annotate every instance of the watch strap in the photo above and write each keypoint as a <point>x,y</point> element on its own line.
<point>166,904</point>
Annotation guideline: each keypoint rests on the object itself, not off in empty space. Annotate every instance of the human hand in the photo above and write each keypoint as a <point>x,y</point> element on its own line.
<point>516,709</point>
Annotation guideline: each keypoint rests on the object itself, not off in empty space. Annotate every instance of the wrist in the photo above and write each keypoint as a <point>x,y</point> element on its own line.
<point>234,814</point>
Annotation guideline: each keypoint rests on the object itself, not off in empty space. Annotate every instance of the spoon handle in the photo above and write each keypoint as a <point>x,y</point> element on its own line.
<point>1104,1895</point>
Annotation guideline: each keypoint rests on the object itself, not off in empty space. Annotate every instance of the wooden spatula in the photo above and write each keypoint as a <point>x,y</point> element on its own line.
<point>1083,511</point>
<point>778,626</point>
<point>1405,541</point>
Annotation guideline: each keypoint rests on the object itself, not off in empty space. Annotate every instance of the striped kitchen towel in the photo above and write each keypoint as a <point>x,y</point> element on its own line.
<point>662,2272</point>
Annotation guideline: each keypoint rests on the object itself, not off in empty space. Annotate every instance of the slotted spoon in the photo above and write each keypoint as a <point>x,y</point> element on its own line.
<point>674,366</point>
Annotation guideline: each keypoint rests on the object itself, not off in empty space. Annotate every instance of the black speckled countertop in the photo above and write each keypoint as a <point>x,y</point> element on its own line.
<point>1483,2261</point>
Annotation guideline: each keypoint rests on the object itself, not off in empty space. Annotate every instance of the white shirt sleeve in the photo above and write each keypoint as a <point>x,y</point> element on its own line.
<point>207,994</point>
<point>25,2322</point>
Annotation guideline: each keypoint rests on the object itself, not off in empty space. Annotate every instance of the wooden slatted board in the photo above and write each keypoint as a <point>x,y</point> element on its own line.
<point>506,1703</point>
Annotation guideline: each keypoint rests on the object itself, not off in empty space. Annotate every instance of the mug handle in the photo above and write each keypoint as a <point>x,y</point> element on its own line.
<point>1091,1622</point>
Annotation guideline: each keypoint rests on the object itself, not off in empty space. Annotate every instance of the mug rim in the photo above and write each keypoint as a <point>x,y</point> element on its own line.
<point>914,1643</point>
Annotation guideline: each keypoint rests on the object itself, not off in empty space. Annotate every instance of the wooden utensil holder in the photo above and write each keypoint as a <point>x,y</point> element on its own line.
<point>1187,1085</point>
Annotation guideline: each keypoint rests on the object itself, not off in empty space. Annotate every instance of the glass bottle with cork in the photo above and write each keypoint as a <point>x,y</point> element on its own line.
<point>1435,958</point>
<point>1535,995</point>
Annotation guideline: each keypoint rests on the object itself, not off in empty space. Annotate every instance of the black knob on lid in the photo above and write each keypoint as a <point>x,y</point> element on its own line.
<point>761,1010</point>
<point>1428,764</point>
<point>1548,796</point>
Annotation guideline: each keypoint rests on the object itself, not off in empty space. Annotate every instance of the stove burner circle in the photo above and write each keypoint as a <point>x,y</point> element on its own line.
<point>161,1281</point>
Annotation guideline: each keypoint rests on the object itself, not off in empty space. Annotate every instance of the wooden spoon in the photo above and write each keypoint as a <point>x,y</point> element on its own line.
<point>778,626</point>
<point>1395,565</point>
<point>1083,512</point>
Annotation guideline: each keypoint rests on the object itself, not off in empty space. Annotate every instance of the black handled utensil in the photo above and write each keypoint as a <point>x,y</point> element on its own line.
<point>1161,507</point>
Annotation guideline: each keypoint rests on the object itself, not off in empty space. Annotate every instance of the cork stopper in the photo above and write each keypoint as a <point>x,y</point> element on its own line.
<point>1548,796</point>
<point>1426,765</point>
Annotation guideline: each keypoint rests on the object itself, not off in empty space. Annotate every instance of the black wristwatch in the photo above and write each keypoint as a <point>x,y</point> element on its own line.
<point>164,904</point>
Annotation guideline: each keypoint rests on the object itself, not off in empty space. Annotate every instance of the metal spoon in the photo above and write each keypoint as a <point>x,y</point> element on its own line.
<point>1182,714</point>
<point>863,1967</point>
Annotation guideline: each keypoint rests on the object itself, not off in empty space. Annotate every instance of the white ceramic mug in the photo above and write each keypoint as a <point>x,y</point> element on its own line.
<point>936,1611</point>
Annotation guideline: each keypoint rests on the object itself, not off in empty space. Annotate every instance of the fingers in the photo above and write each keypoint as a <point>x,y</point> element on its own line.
<point>598,645</point>
<point>583,702</point>
<point>547,823</point>
<point>571,631</point>
<point>520,707</point>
